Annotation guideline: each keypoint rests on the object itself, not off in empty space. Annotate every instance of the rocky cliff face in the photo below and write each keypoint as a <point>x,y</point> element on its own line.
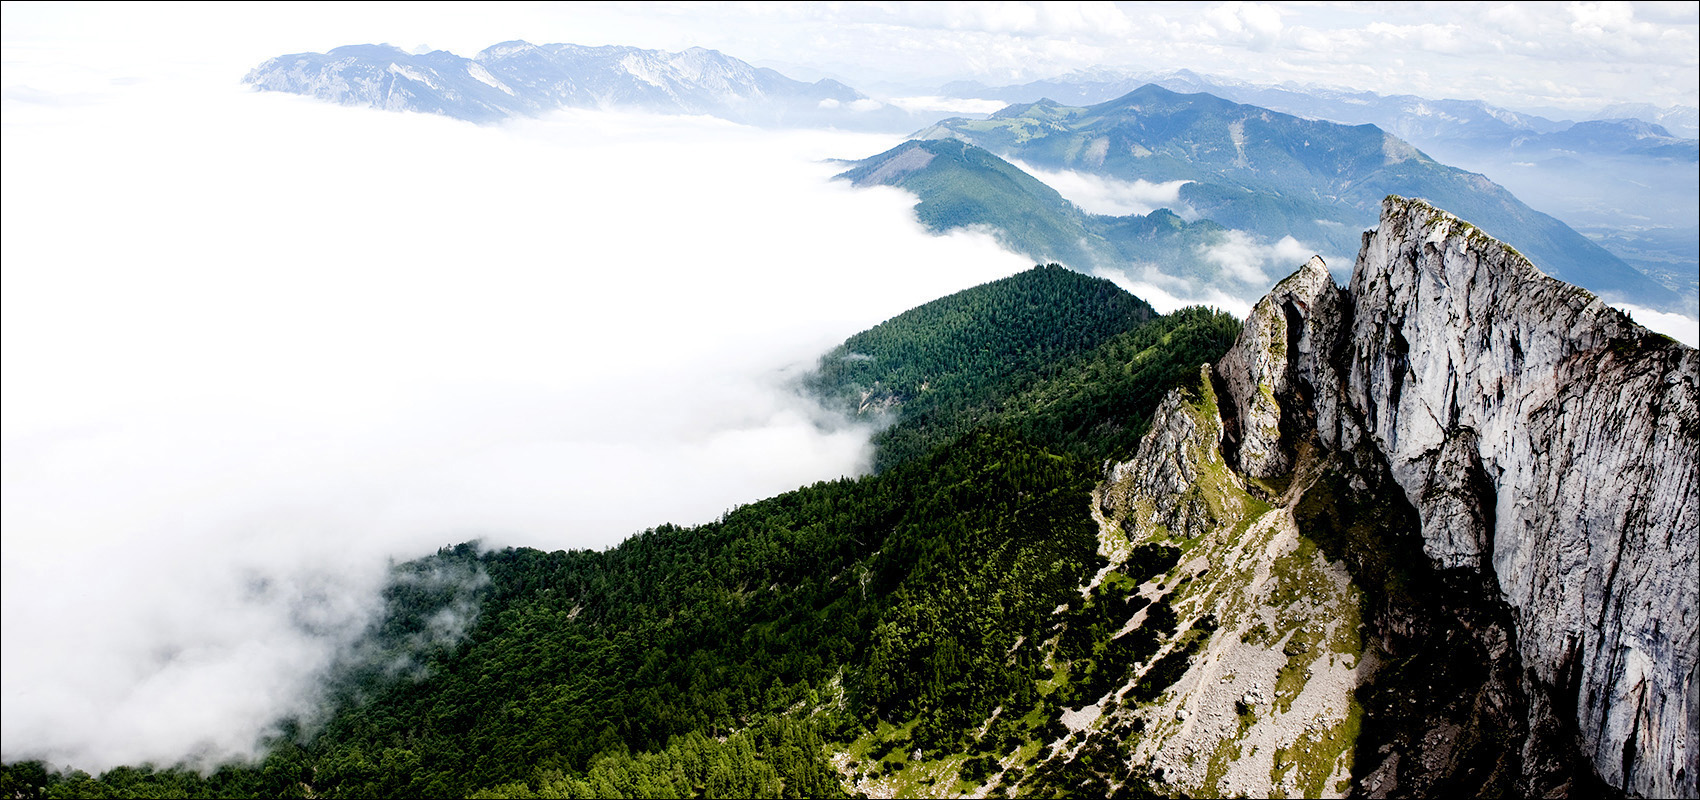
<point>1550,447</point>
<point>1267,707</point>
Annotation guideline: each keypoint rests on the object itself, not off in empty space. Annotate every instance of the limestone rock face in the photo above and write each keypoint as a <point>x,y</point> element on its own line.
<point>1546,441</point>
<point>1284,352</point>
<point>1169,473</point>
<point>1240,720</point>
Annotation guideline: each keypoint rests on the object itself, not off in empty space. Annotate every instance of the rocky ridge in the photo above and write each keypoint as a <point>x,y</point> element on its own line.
<point>1267,707</point>
<point>1434,535</point>
<point>1550,447</point>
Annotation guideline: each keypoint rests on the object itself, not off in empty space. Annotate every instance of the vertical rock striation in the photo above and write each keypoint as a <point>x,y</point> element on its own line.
<point>1549,445</point>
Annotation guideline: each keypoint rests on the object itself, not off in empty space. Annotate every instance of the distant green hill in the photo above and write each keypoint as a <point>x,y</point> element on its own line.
<point>1275,174</point>
<point>963,186</point>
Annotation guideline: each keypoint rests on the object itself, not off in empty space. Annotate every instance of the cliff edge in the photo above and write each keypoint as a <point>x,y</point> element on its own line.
<point>1550,447</point>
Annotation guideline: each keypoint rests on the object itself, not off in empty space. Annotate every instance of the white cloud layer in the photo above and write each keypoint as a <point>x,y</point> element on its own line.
<point>255,347</point>
<point>1097,194</point>
<point>951,105</point>
<point>1167,293</point>
<point>1254,261</point>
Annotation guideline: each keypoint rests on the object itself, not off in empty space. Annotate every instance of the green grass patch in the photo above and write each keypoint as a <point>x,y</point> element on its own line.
<point>1312,758</point>
<point>1302,651</point>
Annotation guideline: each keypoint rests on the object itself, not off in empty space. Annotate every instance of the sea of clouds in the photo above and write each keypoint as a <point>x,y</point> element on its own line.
<point>257,348</point>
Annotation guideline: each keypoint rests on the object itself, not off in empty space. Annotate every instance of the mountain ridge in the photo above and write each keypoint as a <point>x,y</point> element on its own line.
<point>1406,115</point>
<point>1526,466</point>
<point>961,185</point>
<point>518,79</point>
<point>1623,177</point>
<point>1275,174</point>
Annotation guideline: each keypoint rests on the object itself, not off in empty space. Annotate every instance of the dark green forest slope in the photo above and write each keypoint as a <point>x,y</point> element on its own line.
<point>1050,355</point>
<point>888,619</point>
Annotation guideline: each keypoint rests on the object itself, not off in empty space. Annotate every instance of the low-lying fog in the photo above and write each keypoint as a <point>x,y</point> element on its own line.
<point>256,347</point>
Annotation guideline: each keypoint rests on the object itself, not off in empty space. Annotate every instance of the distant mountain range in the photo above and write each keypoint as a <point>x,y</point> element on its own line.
<point>1629,178</point>
<point>1276,175</point>
<point>516,79</point>
<point>1271,167</point>
<point>1683,121</point>
<point>1420,120</point>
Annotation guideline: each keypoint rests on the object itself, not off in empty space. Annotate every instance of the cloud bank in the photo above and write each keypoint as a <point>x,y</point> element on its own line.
<point>256,347</point>
<point>1168,294</point>
<point>1097,194</point>
<point>1250,259</point>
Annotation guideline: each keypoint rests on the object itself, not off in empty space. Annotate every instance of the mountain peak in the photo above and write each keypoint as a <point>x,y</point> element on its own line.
<point>1023,109</point>
<point>1494,394</point>
<point>1152,93</point>
<point>384,50</point>
<point>505,49</point>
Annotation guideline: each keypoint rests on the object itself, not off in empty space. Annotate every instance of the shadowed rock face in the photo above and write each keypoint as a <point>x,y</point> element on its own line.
<point>1549,446</point>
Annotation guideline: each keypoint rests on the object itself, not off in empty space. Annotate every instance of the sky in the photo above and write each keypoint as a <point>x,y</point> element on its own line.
<point>1575,56</point>
<point>256,348</point>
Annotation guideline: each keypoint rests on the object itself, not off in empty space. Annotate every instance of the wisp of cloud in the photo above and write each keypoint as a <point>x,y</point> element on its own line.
<point>1097,194</point>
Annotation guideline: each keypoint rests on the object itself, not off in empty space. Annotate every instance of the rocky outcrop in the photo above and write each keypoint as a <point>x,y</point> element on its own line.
<point>1177,481</point>
<point>1284,352</point>
<point>1548,444</point>
<point>1273,638</point>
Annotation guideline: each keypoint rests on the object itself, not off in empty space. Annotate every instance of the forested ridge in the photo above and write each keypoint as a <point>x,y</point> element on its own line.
<point>1058,358</point>
<point>907,614</point>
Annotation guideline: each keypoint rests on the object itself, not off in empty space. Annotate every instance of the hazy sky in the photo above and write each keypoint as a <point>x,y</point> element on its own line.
<point>252,340</point>
<point>1572,55</point>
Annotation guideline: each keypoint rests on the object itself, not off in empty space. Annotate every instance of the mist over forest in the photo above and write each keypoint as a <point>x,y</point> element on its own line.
<point>262,348</point>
